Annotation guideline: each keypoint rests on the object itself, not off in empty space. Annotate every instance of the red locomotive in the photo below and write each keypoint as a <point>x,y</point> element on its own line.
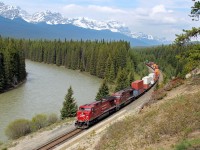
<point>89,114</point>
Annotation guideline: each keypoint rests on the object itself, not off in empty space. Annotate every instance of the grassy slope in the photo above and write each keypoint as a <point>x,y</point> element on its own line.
<point>168,124</point>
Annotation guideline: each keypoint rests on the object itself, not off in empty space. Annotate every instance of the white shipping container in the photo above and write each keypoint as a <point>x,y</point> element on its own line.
<point>152,82</point>
<point>151,79</point>
<point>152,75</point>
<point>146,80</point>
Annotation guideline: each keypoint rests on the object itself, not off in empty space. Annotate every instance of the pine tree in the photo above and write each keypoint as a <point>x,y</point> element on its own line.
<point>92,63</point>
<point>69,105</point>
<point>130,78</point>
<point>108,67</point>
<point>112,73</point>
<point>103,91</point>
<point>121,82</point>
<point>2,73</point>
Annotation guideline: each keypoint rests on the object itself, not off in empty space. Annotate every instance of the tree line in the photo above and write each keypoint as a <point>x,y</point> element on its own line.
<point>12,63</point>
<point>100,58</point>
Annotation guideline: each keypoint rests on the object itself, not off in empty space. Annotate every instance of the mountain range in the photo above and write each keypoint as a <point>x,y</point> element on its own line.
<point>18,23</point>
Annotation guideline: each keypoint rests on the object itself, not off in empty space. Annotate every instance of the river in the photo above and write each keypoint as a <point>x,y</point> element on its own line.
<point>44,92</point>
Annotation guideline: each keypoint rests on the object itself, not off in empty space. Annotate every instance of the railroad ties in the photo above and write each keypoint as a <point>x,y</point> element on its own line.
<point>59,140</point>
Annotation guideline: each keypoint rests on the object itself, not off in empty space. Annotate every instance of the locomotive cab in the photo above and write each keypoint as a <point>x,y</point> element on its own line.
<point>83,116</point>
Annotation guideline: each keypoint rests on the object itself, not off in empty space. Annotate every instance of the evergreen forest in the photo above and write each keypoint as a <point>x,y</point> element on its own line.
<point>12,63</point>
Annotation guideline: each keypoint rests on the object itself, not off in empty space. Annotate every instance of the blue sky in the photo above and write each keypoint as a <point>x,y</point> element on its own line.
<point>162,18</point>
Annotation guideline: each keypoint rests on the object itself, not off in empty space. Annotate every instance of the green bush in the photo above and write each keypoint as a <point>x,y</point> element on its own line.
<point>52,118</point>
<point>188,144</point>
<point>184,145</point>
<point>18,128</point>
<point>38,122</point>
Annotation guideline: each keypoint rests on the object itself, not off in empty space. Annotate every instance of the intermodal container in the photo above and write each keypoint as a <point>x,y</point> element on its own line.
<point>145,86</point>
<point>157,71</point>
<point>152,82</point>
<point>138,92</point>
<point>152,75</point>
<point>138,84</point>
<point>156,66</point>
<point>146,80</point>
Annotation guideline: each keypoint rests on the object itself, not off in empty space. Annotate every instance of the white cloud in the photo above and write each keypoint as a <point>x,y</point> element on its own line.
<point>169,20</point>
<point>93,11</point>
<point>158,9</point>
<point>105,9</point>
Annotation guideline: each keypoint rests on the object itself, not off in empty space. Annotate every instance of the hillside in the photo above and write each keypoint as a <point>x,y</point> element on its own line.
<point>170,123</point>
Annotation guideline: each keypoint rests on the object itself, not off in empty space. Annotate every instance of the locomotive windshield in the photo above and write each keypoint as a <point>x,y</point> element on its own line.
<point>118,96</point>
<point>85,109</point>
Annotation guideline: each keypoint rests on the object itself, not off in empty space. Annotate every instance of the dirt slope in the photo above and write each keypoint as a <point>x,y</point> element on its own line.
<point>90,141</point>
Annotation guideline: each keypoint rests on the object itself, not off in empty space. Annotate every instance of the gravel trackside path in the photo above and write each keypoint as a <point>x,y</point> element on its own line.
<point>33,141</point>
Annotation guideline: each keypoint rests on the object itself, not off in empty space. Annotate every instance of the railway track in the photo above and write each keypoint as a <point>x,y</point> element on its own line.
<point>53,143</point>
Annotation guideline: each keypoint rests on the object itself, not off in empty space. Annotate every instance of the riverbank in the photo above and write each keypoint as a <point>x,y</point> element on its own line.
<point>14,86</point>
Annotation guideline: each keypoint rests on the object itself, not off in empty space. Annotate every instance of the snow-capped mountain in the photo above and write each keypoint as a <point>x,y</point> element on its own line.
<point>52,18</point>
<point>48,17</point>
<point>11,12</point>
<point>140,35</point>
<point>83,22</point>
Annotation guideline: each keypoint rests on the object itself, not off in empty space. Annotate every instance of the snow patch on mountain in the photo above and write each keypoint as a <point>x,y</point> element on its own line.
<point>48,17</point>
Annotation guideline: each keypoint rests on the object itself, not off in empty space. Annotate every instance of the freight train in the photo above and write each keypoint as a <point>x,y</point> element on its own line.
<point>89,114</point>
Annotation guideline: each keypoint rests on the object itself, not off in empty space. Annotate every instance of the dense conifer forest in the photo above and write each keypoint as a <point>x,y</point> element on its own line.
<point>12,63</point>
<point>100,58</point>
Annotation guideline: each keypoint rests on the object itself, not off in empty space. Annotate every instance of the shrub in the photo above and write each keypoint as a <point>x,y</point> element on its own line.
<point>18,128</point>
<point>184,145</point>
<point>52,118</point>
<point>38,122</point>
<point>173,84</point>
<point>158,95</point>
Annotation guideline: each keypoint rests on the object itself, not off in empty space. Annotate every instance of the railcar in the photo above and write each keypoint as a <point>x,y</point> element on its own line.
<point>89,114</point>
